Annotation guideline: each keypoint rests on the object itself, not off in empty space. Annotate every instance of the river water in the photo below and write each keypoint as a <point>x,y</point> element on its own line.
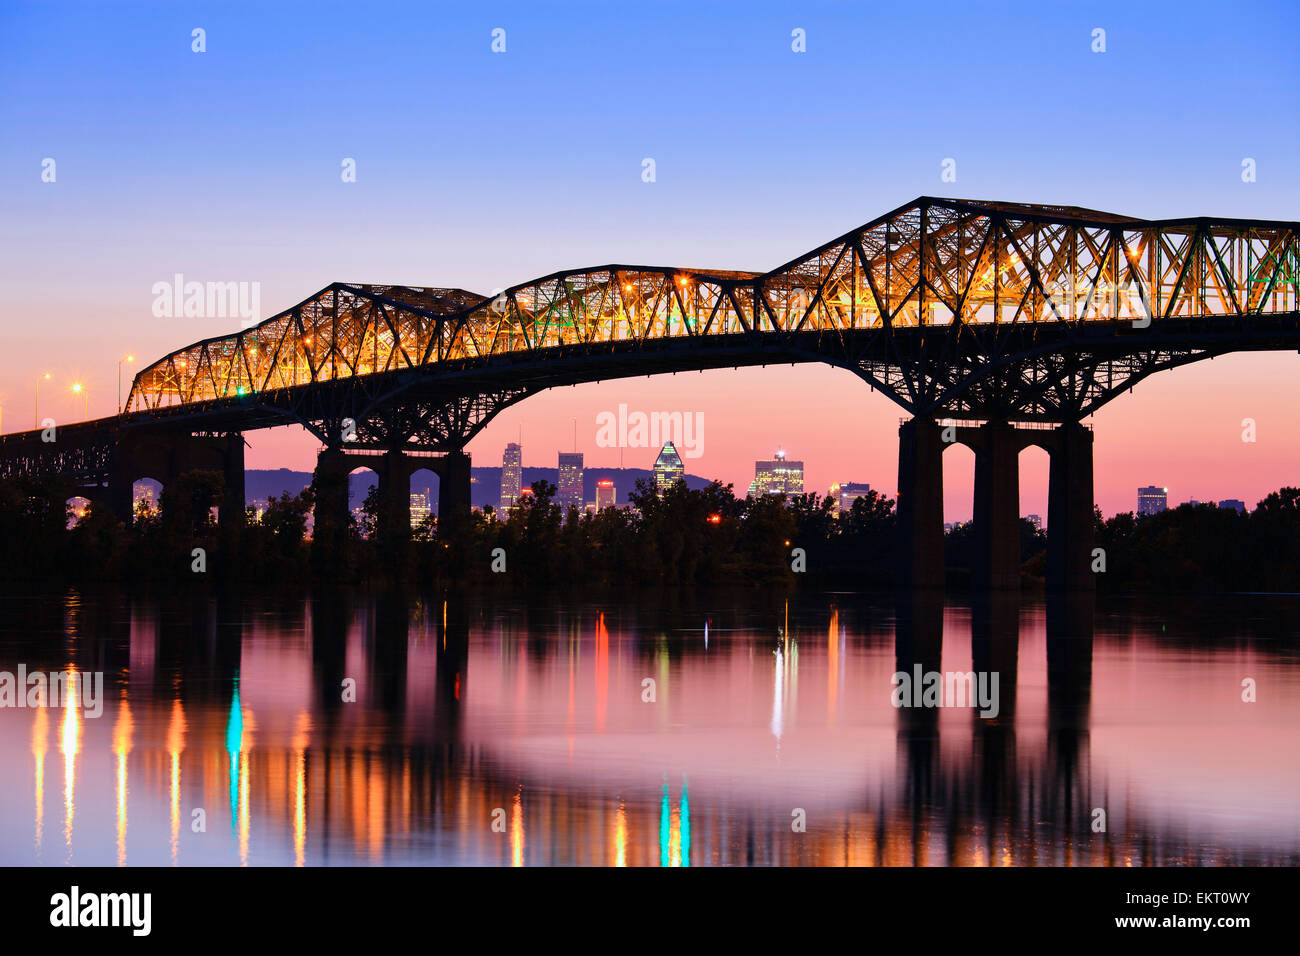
<point>653,730</point>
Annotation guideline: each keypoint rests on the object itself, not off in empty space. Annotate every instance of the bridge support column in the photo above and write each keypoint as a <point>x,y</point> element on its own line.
<point>453,492</point>
<point>920,505</point>
<point>997,508</point>
<point>330,511</point>
<point>1070,511</point>
<point>231,514</point>
<point>120,493</point>
<point>395,500</point>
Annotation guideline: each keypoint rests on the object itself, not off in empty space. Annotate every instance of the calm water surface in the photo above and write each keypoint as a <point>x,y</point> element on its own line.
<point>516,733</point>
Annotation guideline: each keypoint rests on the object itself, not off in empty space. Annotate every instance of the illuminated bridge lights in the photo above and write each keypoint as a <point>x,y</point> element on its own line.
<point>941,264</point>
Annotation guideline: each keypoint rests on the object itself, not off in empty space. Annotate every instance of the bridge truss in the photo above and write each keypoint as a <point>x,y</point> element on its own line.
<point>950,307</point>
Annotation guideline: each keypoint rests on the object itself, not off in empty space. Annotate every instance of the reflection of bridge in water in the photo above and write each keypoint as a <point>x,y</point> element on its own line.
<point>995,315</point>
<point>237,714</point>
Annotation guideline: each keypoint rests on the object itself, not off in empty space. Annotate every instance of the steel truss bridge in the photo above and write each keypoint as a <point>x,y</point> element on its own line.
<point>995,312</point>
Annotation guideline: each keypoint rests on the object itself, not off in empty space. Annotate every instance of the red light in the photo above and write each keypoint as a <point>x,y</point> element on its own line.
<point>715,519</point>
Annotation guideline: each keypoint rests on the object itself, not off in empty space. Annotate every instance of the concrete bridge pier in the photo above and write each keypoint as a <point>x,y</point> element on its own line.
<point>453,490</point>
<point>330,511</point>
<point>920,505</point>
<point>997,506</point>
<point>165,457</point>
<point>394,522</point>
<point>1070,510</point>
<point>233,512</point>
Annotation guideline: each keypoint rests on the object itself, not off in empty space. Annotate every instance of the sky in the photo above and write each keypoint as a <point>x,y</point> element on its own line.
<point>483,169</point>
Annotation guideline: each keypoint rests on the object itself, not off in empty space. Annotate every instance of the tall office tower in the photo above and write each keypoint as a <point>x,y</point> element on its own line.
<point>1236,504</point>
<point>777,476</point>
<point>606,497</point>
<point>570,493</point>
<point>419,507</point>
<point>668,468</point>
<point>512,475</point>
<point>1152,500</point>
<point>847,492</point>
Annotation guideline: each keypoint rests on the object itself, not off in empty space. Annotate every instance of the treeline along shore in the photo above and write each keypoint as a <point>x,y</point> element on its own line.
<point>688,536</point>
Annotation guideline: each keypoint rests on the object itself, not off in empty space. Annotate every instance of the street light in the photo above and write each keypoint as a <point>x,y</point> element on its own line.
<point>36,419</point>
<point>77,389</point>
<point>128,358</point>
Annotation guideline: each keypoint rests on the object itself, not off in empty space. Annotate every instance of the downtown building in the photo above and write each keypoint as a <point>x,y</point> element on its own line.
<point>570,481</point>
<point>512,475</point>
<point>1235,504</point>
<point>1152,500</point>
<point>606,494</point>
<point>847,492</point>
<point>419,507</point>
<point>777,476</point>
<point>668,468</point>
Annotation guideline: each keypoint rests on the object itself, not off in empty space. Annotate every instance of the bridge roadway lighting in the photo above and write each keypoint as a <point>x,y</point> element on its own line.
<point>36,411</point>
<point>79,390</point>
<point>128,358</point>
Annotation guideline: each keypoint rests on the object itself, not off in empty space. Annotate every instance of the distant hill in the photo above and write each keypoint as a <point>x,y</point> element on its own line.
<point>485,487</point>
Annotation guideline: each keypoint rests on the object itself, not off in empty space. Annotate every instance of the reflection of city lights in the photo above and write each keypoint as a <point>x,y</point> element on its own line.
<point>70,744</point>
<point>121,747</point>
<point>40,744</point>
<point>517,832</point>
<point>175,744</point>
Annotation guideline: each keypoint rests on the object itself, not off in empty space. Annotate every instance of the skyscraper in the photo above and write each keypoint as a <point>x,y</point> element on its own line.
<point>777,476</point>
<point>847,492</point>
<point>419,507</point>
<point>512,474</point>
<point>1152,500</point>
<point>668,468</point>
<point>606,496</point>
<point>570,491</point>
